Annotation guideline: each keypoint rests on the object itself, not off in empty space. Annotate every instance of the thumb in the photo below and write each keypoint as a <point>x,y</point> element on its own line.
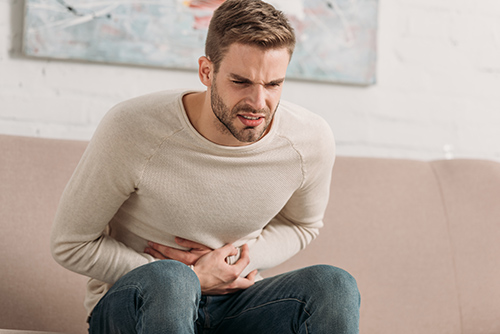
<point>228,250</point>
<point>252,275</point>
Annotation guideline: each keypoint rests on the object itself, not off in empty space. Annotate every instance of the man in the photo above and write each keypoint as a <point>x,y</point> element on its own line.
<point>181,198</point>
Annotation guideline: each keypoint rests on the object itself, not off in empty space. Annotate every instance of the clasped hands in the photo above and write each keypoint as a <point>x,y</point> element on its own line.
<point>216,276</point>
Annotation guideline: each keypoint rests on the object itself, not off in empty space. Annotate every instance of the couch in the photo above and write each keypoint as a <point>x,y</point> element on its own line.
<point>422,239</point>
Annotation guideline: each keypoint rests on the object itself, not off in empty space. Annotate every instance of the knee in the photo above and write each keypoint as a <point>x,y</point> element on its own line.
<point>337,277</point>
<point>336,300</point>
<point>167,277</point>
<point>332,283</point>
<point>161,292</point>
<point>170,271</point>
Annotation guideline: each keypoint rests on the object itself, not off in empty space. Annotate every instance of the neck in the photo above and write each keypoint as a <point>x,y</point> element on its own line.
<point>194,103</point>
<point>199,111</point>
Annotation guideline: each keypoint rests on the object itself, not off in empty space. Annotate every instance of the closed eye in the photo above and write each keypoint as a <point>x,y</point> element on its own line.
<point>242,81</point>
<point>238,82</point>
<point>274,84</point>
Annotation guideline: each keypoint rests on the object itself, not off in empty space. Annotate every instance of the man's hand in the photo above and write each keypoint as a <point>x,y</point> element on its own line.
<point>216,276</point>
<point>188,257</point>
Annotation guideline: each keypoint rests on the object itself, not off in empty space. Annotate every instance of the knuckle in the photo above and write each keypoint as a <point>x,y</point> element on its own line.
<point>234,276</point>
<point>159,247</point>
<point>232,286</point>
<point>191,259</point>
<point>230,277</point>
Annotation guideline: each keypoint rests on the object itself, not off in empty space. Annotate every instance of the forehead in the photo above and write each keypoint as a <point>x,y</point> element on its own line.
<point>255,63</point>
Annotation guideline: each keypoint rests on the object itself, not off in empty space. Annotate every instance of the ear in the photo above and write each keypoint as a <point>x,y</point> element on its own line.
<point>205,71</point>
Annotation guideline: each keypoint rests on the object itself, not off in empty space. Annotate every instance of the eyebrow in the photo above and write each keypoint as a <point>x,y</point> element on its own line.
<point>237,77</point>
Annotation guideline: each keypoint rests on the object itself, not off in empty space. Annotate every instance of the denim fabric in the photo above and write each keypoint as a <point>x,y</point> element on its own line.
<point>165,297</point>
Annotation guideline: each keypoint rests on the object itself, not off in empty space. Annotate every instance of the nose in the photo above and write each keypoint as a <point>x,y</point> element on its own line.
<point>257,97</point>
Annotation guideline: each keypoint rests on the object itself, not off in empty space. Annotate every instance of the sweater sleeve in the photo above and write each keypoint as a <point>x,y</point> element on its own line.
<point>298,223</point>
<point>105,177</point>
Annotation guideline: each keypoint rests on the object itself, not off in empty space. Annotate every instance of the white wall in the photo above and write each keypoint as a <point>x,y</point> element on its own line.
<point>437,95</point>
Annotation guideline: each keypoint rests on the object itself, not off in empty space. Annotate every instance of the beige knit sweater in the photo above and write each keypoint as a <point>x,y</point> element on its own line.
<point>147,174</point>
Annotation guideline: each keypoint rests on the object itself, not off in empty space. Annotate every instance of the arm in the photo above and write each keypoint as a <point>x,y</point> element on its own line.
<point>105,177</point>
<point>298,223</point>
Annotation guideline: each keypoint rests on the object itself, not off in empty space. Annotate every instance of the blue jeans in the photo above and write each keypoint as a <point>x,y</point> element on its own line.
<point>165,297</point>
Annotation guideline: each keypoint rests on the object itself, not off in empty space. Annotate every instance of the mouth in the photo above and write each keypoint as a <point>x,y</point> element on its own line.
<point>251,120</point>
<point>250,117</point>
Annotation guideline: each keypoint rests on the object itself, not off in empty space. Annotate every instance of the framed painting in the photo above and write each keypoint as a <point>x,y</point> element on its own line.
<point>336,38</point>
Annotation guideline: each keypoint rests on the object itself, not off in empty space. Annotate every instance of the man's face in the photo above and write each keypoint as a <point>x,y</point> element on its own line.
<point>246,91</point>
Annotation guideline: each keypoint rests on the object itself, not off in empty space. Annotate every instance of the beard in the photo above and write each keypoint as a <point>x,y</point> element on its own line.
<point>228,118</point>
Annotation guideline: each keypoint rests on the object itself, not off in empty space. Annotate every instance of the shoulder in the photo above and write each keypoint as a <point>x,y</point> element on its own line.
<point>138,125</point>
<point>146,117</point>
<point>312,138</point>
<point>146,109</point>
<point>306,130</point>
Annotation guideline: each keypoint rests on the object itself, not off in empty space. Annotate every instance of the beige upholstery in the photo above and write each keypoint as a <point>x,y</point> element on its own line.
<point>20,331</point>
<point>421,238</point>
<point>36,293</point>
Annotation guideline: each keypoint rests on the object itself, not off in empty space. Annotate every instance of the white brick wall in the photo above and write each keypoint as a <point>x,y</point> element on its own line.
<point>437,95</point>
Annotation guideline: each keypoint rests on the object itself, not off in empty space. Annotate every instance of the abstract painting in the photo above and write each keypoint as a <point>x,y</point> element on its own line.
<point>336,38</point>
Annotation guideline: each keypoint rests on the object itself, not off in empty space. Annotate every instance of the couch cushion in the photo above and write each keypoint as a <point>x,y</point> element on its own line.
<point>36,292</point>
<point>471,193</point>
<point>386,225</point>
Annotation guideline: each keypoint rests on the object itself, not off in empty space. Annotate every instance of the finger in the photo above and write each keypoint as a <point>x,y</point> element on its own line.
<point>234,252</point>
<point>224,289</point>
<point>242,283</point>
<point>190,244</point>
<point>227,250</point>
<point>174,254</point>
<point>251,276</point>
<point>244,253</point>
<point>239,284</point>
<point>154,253</point>
<point>160,248</point>
<point>244,259</point>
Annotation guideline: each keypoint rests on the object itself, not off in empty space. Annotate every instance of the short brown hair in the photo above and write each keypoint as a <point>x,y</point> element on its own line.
<point>251,22</point>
